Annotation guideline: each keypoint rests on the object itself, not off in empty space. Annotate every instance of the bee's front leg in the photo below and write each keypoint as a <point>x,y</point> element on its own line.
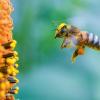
<point>66,43</point>
<point>63,45</point>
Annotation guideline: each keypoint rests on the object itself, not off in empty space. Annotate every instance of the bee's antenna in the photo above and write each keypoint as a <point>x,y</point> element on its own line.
<point>55,23</point>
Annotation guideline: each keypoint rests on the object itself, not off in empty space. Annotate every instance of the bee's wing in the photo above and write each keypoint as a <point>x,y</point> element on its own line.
<point>74,30</point>
<point>69,42</point>
<point>74,40</point>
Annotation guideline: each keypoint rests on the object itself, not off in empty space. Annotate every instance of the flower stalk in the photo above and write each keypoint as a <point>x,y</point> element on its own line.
<point>8,56</point>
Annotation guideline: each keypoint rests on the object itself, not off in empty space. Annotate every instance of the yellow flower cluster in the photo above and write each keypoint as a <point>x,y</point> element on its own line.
<point>8,57</point>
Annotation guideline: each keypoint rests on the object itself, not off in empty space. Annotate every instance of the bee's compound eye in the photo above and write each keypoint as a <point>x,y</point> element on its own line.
<point>62,31</point>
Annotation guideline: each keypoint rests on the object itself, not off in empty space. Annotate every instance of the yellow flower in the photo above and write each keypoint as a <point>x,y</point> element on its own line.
<point>8,57</point>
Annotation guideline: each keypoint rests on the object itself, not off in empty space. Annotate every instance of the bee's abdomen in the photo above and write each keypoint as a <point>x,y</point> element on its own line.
<point>93,41</point>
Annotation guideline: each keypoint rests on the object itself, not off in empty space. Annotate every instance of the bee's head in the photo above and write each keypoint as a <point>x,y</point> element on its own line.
<point>61,31</point>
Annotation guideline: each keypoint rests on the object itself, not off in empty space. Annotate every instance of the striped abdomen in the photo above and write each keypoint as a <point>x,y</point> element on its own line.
<point>93,41</point>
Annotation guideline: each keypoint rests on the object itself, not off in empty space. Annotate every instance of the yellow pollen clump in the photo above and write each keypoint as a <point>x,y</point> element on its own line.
<point>2,86</point>
<point>13,44</point>
<point>2,95</point>
<point>16,90</point>
<point>16,65</point>
<point>1,75</point>
<point>10,60</point>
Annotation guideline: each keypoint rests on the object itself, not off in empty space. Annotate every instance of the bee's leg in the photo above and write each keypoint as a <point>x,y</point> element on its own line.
<point>74,55</point>
<point>63,45</point>
<point>66,43</point>
<point>78,51</point>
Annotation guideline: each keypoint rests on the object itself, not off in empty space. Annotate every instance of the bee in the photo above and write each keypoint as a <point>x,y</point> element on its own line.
<point>74,37</point>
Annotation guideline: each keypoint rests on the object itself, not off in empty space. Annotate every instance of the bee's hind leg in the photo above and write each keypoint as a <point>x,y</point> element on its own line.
<point>74,55</point>
<point>78,51</point>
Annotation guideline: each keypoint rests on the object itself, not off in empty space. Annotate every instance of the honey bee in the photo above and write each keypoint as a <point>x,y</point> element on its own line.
<point>73,37</point>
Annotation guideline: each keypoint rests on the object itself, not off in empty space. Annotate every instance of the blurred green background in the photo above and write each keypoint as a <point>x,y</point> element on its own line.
<point>46,71</point>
